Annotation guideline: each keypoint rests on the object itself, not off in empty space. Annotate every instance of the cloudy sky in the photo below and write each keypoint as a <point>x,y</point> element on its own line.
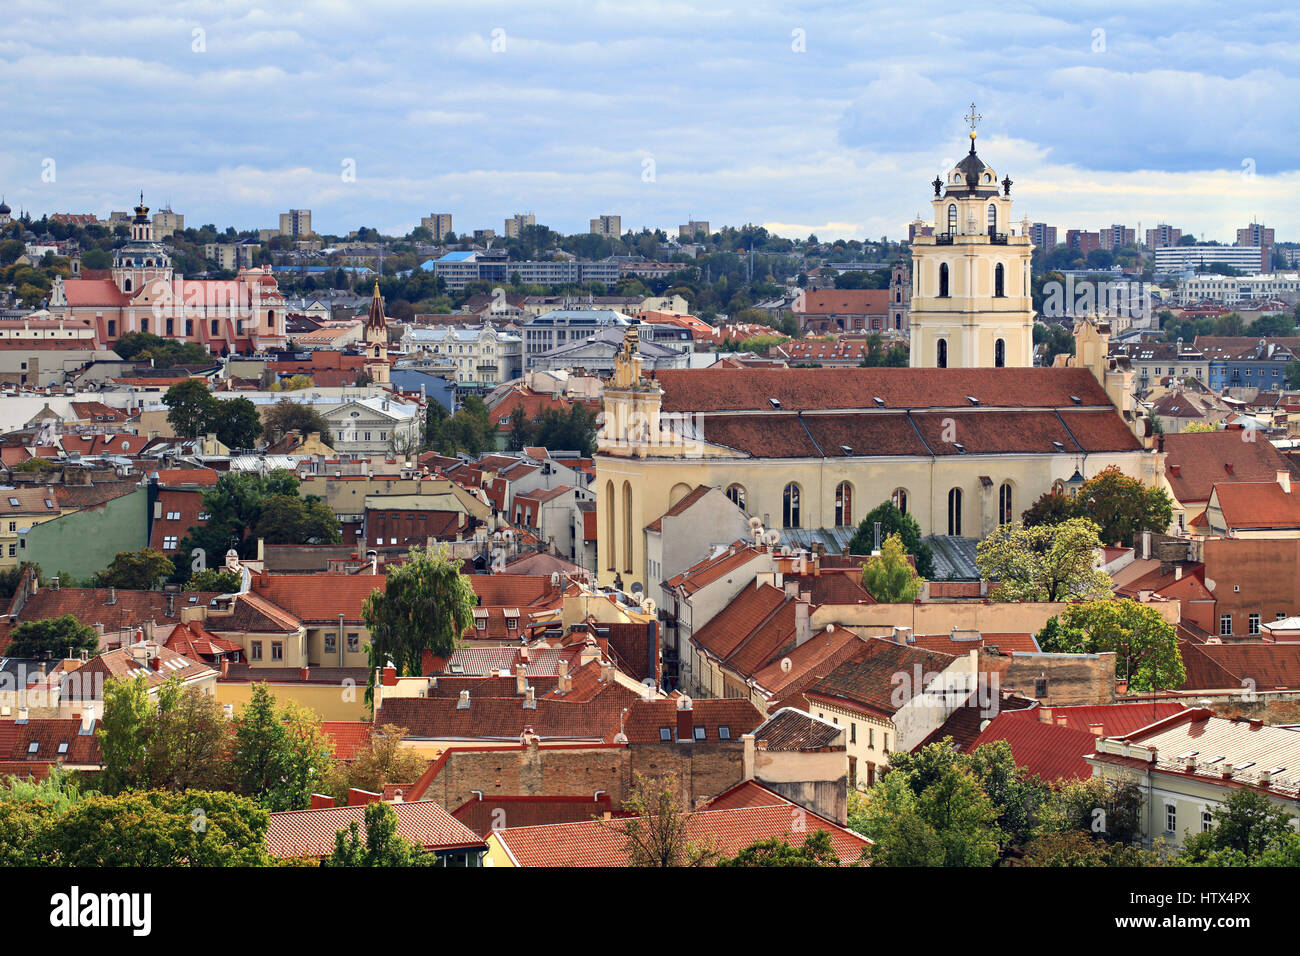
<point>816,116</point>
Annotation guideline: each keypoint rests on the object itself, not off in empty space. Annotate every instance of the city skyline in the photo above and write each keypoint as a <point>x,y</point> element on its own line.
<point>808,120</point>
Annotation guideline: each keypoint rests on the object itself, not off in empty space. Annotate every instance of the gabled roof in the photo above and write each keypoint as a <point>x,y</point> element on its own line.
<point>865,680</point>
<point>319,598</point>
<point>694,495</point>
<point>1196,461</point>
<point>1256,505</point>
<point>310,834</point>
<point>793,729</point>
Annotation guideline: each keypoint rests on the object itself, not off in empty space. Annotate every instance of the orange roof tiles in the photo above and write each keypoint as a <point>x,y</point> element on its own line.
<point>310,834</point>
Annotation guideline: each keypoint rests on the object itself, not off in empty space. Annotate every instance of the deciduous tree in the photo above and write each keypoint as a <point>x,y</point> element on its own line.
<point>426,605</point>
<point>1043,563</point>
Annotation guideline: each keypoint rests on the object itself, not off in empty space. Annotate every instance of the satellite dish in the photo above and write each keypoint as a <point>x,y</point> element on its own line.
<point>785,665</point>
<point>772,536</point>
<point>555,578</point>
<point>648,605</point>
<point>755,523</point>
<point>508,534</point>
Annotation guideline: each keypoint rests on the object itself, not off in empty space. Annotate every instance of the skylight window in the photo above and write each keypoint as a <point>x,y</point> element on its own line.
<point>665,733</point>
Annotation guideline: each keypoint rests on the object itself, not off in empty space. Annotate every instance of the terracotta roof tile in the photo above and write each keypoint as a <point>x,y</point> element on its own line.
<point>310,833</point>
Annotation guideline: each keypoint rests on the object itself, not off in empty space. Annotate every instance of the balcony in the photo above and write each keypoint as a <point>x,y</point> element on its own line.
<point>943,239</point>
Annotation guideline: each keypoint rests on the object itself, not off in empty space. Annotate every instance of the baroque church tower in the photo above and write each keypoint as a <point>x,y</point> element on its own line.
<point>971,304</point>
<point>377,340</point>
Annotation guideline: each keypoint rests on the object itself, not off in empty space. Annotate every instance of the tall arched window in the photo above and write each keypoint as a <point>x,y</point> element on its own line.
<point>999,281</point>
<point>737,495</point>
<point>943,280</point>
<point>1004,503</point>
<point>952,218</point>
<point>941,360</point>
<point>843,504</point>
<point>627,527</point>
<point>899,499</point>
<point>954,513</point>
<point>611,542</point>
<point>1000,353</point>
<point>993,218</point>
<point>790,506</point>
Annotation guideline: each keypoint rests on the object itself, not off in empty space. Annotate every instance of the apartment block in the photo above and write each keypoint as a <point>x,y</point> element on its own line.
<point>609,226</point>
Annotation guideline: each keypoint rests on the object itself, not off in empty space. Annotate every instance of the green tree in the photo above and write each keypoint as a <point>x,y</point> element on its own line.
<point>159,828</point>
<point>1196,427</point>
<point>286,415</point>
<point>236,422</point>
<point>234,507</point>
<point>1249,830</point>
<point>816,850</point>
<point>1122,507</point>
<point>382,761</point>
<point>136,570</point>
<point>656,831</point>
<point>894,521</point>
<point>426,605</point>
<point>123,733</point>
<point>287,519</point>
<point>1076,848</point>
<point>1018,797</point>
<point>1144,643</point>
<point>1109,810</point>
<point>890,577</point>
<point>280,753</point>
<point>191,407</point>
<point>52,637</point>
<point>382,845</point>
<point>1052,507</point>
<point>214,579</point>
<point>187,741</point>
<point>1043,563</point>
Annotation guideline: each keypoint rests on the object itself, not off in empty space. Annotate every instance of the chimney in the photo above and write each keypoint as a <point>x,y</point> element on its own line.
<point>902,635</point>
<point>1146,544</point>
<point>1189,763</point>
<point>88,718</point>
<point>225,668</point>
<point>1062,720</point>
<point>606,672</point>
<point>112,596</point>
<point>802,622</point>
<point>1178,572</point>
<point>463,703</point>
<point>521,678</point>
<point>22,716</point>
<point>389,676</point>
<point>566,682</point>
<point>155,661</point>
<point>320,801</point>
<point>1284,479</point>
<point>304,672</point>
<point>685,720</point>
<point>530,699</point>
<point>1097,730</point>
<point>1045,714</point>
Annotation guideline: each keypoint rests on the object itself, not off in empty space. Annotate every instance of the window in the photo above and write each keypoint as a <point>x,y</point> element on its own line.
<point>790,506</point>
<point>13,550</point>
<point>63,746</point>
<point>1040,688</point>
<point>954,513</point>
<point>665,733</point>
<point>952,221</point>
<point>331,643</point>
<point>1207,821</point>
<point>214,326</point>
<point>737,495</point>
<point>1225,625</point>
<point>724,732</point>
<point>13,526</point>
<point>1004,503</point>
<point>173,516</point>
<point>354,641</point>
<point>34,746</point>
<point>941,359</point>
<point>884,741</point>
<point>993,217</point>
<point>843,504</point>
<point>943,280</point>
<point>169,542</point>
<point>512,623</point>
<point>1000,352</point>
<point>1253,624</point>
<point>256,648</point>
<point>899,499</point>
<point>700,733</point>
<point>13,502</point>
<point>871,738</point>
<point>1171,817</point>
<point>277,650</point>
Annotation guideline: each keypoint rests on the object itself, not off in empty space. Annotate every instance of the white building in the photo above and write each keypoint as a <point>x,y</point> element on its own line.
<point>481,355</point>
<point>1169,259</point>
<point>1229,290</point>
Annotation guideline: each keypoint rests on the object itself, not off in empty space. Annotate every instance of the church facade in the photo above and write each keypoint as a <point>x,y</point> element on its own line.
<point>142,293</point>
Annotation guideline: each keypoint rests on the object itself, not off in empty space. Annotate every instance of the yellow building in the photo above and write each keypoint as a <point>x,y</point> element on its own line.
<point>20,510</point>
<point>802,449</point>
<point>971,305</point>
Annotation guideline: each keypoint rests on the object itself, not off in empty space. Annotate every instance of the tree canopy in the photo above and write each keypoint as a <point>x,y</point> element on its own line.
<point>52,638</point>
<point>1144,643</point>
<point>894,521</point>
<point>890,577</point>
<point>1043,563</point>
<point>426,605</point>
<point>1120,506</point>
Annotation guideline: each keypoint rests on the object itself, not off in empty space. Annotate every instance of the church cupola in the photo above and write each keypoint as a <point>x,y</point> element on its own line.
<point>142,225</point>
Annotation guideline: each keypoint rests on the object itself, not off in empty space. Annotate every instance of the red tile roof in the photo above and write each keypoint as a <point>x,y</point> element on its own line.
<point>1048,751</point>
<point>1196,461</point>
<point>319,598</point>
<point>865,680</point>
<point>310,834</point>
<point>497,812</point>
<point>350,736</point>
<point>1257,505</point>
<point>845,302</point>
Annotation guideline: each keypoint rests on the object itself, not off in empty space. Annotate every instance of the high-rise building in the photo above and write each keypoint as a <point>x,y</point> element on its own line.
<point>1163,235</point>
<point>1082,242</point>
<point>516,223</point>
<point>971,306</point>
<point>295,223</point>
<point>1043,236</point>
<point>438,224</point>
<point>610,226</point>
<point>693,228</point>
<point>1115,236</point>
<point>1262,236</point>
<point>167,223</point>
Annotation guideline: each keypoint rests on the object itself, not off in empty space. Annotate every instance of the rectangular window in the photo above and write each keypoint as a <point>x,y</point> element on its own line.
<point>277,651</point>
<point>1225,625</point>
<point>665,733</point>
<point>1207,820</point>
<point>1171,818</point>
<point>169,542</point>
<point>724,732</point>
<point>871,738</point>
<point>255,649</point>
<point>853,732</point>
<point>331,643</point>
<point>1040,688</point>
<point>354,642</point>
<point>13,526</point>
<point>1253,624</point>
<point>700,733</point>
<point>13,550</point>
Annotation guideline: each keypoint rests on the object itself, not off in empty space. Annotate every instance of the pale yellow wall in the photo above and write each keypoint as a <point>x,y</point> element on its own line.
<point>329,701</point>
<point>496,854</point>
<point>7,537</point>
<point>319,657</point>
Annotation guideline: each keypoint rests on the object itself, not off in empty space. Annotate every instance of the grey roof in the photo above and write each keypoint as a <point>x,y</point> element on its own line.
<point>954,558</point>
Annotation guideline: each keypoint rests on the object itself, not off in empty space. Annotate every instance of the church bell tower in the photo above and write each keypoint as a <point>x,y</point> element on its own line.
<point>377,340</point>
<point>971,303</point>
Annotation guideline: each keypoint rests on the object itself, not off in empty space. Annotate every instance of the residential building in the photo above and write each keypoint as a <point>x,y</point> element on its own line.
<point>1043,236</point>
<point>1162,236</point>
<point>166,223</point>
<point>1238,290</point>
<point>609,226</point>
<point>438,224</point>
<point>1174,259</point>
<point>1115,236</point>
<point>693,228</point>
<point>1082,242</point>
<point>516,224</point>
<point>296,223</point>
<point>482,355</point>
<point>564,326</point>
<point>1247,362</point>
